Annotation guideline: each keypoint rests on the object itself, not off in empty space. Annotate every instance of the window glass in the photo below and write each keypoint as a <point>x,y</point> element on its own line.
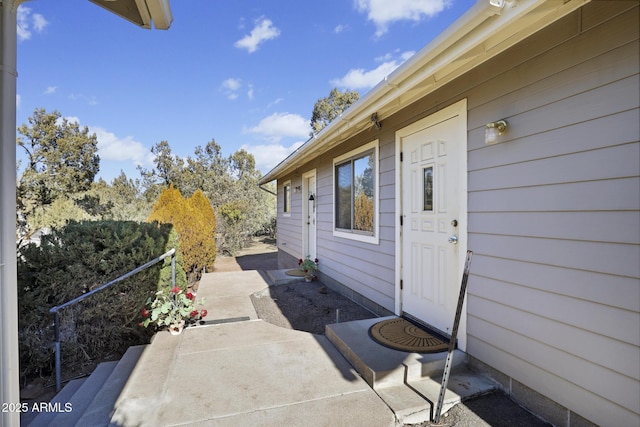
<point>356,194</point>
<point>363,204</point>
<point>355,206</point>
<point>287,197</point>
<point>344,179</point>
<point>428,189</point>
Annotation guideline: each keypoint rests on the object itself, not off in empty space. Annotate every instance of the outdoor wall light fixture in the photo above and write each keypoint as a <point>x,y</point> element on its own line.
<point>375,121</point>
<point>297,189</point>
<point>493,130</point>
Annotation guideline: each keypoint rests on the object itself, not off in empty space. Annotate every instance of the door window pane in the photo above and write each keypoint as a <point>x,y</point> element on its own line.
<point>428,189</point>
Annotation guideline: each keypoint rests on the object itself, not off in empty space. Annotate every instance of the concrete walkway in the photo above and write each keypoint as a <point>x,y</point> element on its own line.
<point>237,373</point>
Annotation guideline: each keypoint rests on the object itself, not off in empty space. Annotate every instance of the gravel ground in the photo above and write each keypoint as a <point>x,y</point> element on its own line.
<point>306,307</point>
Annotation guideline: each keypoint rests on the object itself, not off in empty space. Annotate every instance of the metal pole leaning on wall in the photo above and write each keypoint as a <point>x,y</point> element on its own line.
<point>452,342</point>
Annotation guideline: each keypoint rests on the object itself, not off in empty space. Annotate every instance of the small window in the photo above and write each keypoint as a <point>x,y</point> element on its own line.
<point>355,184</point>
<point>427,186</point>
<point>286,198</point>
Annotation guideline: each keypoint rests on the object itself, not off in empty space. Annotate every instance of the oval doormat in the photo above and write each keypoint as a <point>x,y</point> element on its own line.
<point>400,334</point>
<point>295,272</point>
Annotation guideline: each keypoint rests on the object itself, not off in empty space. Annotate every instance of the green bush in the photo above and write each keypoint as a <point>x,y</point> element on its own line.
<point>74,260</point>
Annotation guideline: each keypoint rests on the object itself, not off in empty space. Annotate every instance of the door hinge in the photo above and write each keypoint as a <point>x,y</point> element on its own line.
<point>401,156</point>
<point>401,221</point>
<point>401,285</point>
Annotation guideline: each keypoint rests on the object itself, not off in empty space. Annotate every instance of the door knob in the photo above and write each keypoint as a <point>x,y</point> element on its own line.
<point>453,239</point>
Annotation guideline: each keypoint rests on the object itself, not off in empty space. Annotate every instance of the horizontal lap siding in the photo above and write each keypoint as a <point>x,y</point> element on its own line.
<point>289,238</point>
<point>554,214</point>
<point>366,268</point>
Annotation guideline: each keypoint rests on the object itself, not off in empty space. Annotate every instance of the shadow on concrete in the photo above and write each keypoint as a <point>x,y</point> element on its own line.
<point>264,261</point>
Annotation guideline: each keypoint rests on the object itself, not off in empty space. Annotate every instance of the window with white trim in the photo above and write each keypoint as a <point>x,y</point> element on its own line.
<point>355,181</point>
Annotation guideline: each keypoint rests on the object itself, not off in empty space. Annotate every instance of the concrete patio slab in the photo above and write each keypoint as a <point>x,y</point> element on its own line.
<point>245,373</point>
<point>226,294</point>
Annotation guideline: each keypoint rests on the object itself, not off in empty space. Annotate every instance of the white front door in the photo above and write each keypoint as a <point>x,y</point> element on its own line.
<point>433,193</point>
<point>310,204</point>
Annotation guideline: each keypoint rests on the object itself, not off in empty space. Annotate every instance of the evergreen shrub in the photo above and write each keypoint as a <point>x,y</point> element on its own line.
<point>73,260</point>
<point>194,220</point>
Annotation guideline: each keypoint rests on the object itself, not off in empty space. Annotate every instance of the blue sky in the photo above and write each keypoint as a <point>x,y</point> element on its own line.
<point>245,73</point>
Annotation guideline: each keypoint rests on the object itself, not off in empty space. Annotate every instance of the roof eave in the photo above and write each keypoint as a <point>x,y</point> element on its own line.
<point>480,34</point>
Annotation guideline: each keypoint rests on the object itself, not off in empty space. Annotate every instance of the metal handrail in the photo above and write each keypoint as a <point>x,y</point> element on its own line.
<point>56,309</point>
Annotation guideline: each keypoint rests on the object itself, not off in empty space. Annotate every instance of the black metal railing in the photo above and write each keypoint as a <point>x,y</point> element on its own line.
<point>55,310</point>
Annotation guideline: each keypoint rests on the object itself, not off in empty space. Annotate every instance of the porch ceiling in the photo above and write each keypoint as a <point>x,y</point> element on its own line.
<point>479,35</point>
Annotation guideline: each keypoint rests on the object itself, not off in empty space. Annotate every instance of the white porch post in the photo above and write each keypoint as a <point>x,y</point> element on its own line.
<point>9,363</point>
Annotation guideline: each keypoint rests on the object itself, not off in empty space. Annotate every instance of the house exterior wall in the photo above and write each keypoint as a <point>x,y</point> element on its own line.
<point>289,225</point>
<point>554,297</point>
<point>553,301</point>
<point>365,268</point>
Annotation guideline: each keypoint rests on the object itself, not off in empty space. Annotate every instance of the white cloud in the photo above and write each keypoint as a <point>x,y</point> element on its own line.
<point>18,100</point>
<point>250,91</point>
<point>340,28</point>
<point>90,100</point>
<point>263,31</point>
<point>269,155</point>
<point>359,78</point>
<point>70,119</point>
<point>231,87</point>
<point>28,23</point>
<point>232,84</point>
<point>281,125</point>
<point>113,147</point>
<point>385,12</point>
<point>39,22</point>
<point>50,90</point>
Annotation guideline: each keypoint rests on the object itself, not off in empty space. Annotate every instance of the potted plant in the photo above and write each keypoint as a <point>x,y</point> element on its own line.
<point>308,267</point>
<point>173,310</point>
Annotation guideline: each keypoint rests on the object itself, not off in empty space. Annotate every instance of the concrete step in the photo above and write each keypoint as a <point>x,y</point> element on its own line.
<point>60,400</point>
<point>280,277</point>
<point>83,397</point>
<point>381,366</point>
<point>409,383</point>
<point>146,383</point>
<point>99,411</point>
<point>415,402</point>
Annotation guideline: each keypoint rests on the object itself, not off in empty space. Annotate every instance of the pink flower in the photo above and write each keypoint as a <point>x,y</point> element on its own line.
<point>316,260</point>
<point>194,313</point>
<point>145,312</point>
<point>175,290</point>
<point>300,261</point>
<point>203,313</point>
<point>189,295</point>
